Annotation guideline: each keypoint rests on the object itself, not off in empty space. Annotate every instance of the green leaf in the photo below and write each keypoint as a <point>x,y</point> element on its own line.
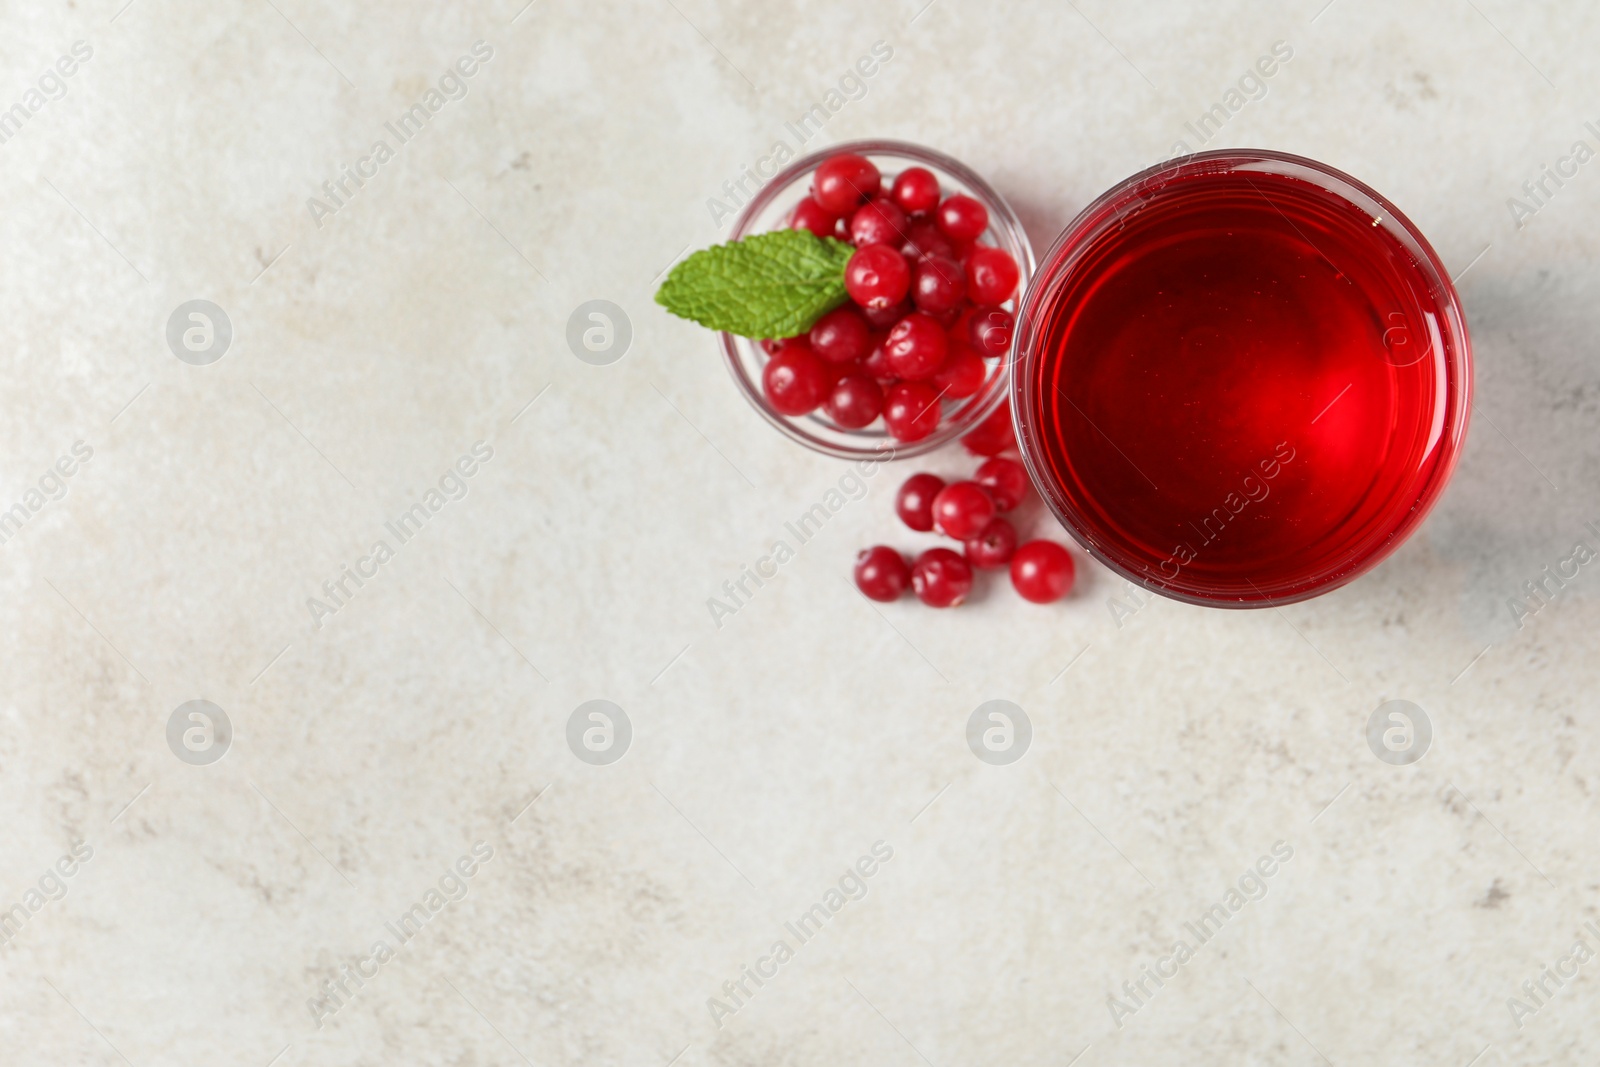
<point>768,285</point>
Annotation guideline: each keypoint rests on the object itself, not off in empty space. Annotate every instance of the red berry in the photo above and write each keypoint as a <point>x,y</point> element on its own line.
<point>833,374</point>
<point>885,317</point>
<point>1042,571</point>
<point>855,401</point>
<point>924,238</point>
<point>916,189</point>
<point>877,361</point>
<point>810,215</point>
<point>990,331</point>
<point>795,380</point>
<point>843,181</point>
<point>962,510</point>
<point>917,346</point>
<point>1005,479</point>
<point>937,285</point>
<point>840,336</point>
<point>993,546</point>
<point>911,410</point>
<point>878,222</point>
<point>991,276</point>
<point>960,217</point>
<point>962,374</point>
<point>877,277</point>
<point>914,501</point>
<point>882,573</point>
<point>993,435</point>
<point>941,578</point>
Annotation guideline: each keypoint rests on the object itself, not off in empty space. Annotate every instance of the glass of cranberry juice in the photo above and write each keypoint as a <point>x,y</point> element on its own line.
<point>1242,378</point>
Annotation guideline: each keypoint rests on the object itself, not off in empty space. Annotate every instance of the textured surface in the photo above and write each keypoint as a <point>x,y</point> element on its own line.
<point>376,340</point>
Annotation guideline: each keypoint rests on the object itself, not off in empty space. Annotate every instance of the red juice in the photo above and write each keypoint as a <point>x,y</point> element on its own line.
<point>1243,379</point>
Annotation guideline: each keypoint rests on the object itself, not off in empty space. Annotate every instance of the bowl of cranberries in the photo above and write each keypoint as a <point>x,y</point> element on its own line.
<point>920,353</point>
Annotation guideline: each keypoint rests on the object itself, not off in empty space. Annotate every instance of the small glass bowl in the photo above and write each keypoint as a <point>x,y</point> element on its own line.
<point>770,210</point>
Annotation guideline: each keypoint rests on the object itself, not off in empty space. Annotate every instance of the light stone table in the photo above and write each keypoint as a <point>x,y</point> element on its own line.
<point>399,858</point>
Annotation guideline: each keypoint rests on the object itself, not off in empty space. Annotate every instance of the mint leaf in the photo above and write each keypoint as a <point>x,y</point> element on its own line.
<point>768,285</point>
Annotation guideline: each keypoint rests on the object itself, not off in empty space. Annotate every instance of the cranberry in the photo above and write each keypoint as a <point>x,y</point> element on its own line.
<point>963,372</point>
<point>877,277</point>
<point>855,401</point>
<point>991,276</point>
<point>990,330</point>
<point>941,578</point>
<point>882,573</point>
<point>877,361</point>
<point>916,346</point>
<point>843,181</point>
<point>840,336</point>
<point>795,380</point>
<point>924,238</point>
<point>993,435</point>
<point>993,546</point>
<point>911,410</point>
<point>962,510</point>
<point>960,217</point>
<point>885,317</point>
<point>1005,479</point>
<point>916,189</point>
<point>914,501</point>
<point>832,372</point>
<point>879,222</point>
<point>937,285</point>
<point>810,215</point>
<point>1042,571</point>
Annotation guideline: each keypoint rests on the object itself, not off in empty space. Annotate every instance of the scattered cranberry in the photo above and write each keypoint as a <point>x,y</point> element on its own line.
<point>882,573</point>
<point>963,372</point>
<point>914,502</point>
<point>1042,571</point>
<point>795,380</point>
<point>962,510</point>
<point>840,336</point>
<point>991,275</point>
<point>937,285</point>
<point>960,217</point>
<point>993,435</point>
<point>885,317</point>
<point>877,277</point>
<point>993,546</point>
<point>990,331</point>
<point>911,410</point>
<point>941,578</point>
<point>916,189</point>
<point>924,238</point>
<point>879,222</point>
<point>855,401</point>
<point>916,346</point>
<point>810,215</point>
<point>1005,479</point>
<point>845,180</point>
